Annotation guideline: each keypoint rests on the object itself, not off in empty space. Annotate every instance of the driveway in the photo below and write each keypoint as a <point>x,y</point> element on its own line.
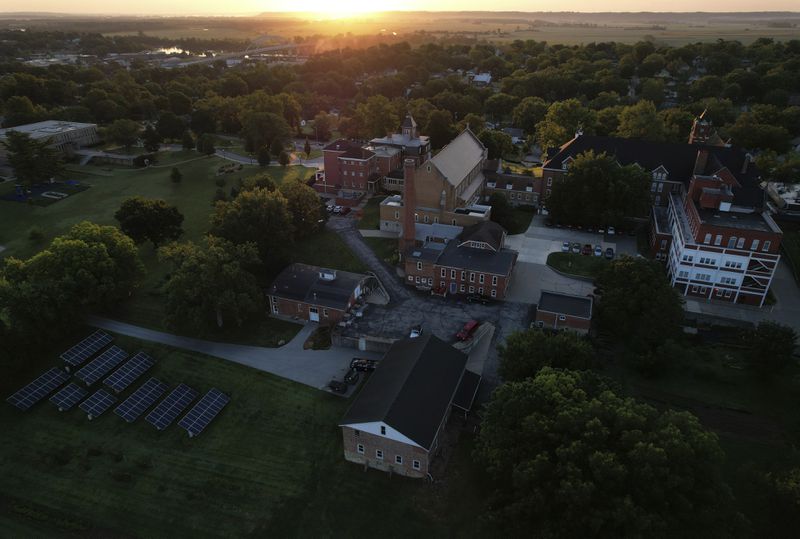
<point>529,279</point>
<point>313,368</point>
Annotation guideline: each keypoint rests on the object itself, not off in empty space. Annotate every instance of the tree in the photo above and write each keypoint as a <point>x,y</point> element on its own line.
<point>440,128</point>
<point>307,149</point>
<point>263,156</point>
<point>525,353</point>
<point>568,457</point>
<point>637,305</point>
<point>597,191</point>
<point>497,143</point>
<point>322,126</point>
<point>276,147</point>
<point>501,105</point>
<point>205,144</point>
<point>264,129</point>
<point>284,159</point>
<point>771,347</point>
<point>259,216</point>
<point>305,208</point>
<point>641,121</point>
<point>187,140</point>
<point>210,285</point>
<point>175,175</point>
<point>376,117</point>
<point>145,219</point>
<point>152,139</point>
<point>529,112</point>
<point>170,126</point>
<point>33,161</point>
<point>20,110</point>
<point>260,181</point>
<point>124,132</point>
<point>562,121</point>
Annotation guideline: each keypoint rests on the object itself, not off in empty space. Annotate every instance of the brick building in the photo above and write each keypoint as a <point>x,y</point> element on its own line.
<point>317,294</point>
<point>564,311</point>
<point>518,189</point>
<point>67,137</point>
<point>709,222</point>
<point>396,421</point>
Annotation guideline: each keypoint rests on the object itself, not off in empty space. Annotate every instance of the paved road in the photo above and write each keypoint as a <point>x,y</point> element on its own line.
<point>347,229</point>
<point>313,368</point>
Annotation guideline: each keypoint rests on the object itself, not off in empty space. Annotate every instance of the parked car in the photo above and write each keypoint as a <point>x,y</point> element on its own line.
<point>337,386</point>
<point>601,230</point>
<point>351,377</point>
<point>329,208</point>
<point>477,298</point>
<point>598,251</point>
<point>416,331</point>
<point>611,231</point>
<point>576,248</point>
<point>337,210</point>
<point>363,365</point>
<point>565,247</point>
<point>609,253</point>
<point>587,250</point>
<point>468,330</point>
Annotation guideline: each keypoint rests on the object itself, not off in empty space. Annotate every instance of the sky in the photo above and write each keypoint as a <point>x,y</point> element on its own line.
<point>238,7</point>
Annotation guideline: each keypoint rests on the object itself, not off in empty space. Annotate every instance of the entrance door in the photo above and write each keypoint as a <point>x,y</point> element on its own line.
<point>453,288</point>
<point>313,314</point>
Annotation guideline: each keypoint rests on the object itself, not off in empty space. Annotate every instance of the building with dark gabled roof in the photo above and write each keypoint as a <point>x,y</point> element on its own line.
<point>564,311</point>
<point>395,422</point>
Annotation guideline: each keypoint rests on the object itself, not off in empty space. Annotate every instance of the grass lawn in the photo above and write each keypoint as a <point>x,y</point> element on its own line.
<point>327,249</point>
<point>269,466</point>
<point>576,264</point>
<point>371,214</point>
<point>521,219</point>
<point>385,248</point>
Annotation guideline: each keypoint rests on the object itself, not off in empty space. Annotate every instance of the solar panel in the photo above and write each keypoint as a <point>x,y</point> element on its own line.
<point>140,400</point>
<point>101,365</point>
<point>167,410</point>
<point>100,401</point>
<point>204,411</point>
<point>129,372</point>
<point>68,397</point>
<point>38,389</point>
<point>87,348</point>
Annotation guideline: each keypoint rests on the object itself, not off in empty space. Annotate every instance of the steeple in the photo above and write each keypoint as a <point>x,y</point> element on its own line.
<point>409,127</point>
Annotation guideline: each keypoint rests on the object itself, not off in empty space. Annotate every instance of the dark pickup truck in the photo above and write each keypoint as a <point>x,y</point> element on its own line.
<point>363,365</point>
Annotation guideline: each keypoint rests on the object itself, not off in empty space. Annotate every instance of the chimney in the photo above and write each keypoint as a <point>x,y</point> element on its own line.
<point>747,158</point>
<point>700,162</point>
<point>409,206</point>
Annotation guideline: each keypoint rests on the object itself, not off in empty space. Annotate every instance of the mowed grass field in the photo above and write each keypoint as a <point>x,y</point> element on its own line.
<point>269,465</point>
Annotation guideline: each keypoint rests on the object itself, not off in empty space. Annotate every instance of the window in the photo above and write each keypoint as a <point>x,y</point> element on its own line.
<point>397,215</point>
<point>683,274</point>
<point>481,278</point>
<point>754,245</point>
<point>411,278</point>
<point>417,279</point>
<point>687,258</point>
<point>719,292</point>
<point>419,266</point>
<point>707,239</point>
<point>461,288</point>
<point>663,244</point>
<point>727,280</point>
<point>416,218</point>
<point>452,274</point>
<point>299,307</point>
<point>562,317</point>
<point>383,430</point>
<point>494,280</point>
<point>379,454</point>
<point>731,242</point>
<point>658,200</point>
<point>471,289</point>
<point>444,273</point>
<point>549,181</point>
<point>694,289</point>
<point>463,275</point>
<point>547,192</point>
<point>767,245</point>
<point>702,289</point>
<point>398,459</point>
<point>472,277</point>
<point>480,291</point>
<point>454,222</point>
<point>325,313</point>
<point>435,220</point>
<point>415,464</point>
<point>740,243</point>
<point>728,293</point>
<point>425,218</point>
<point>660,187</point>
<point>718,240</point>
<point>653,187</point>
<point>430,281</point>
<point>360,448</point>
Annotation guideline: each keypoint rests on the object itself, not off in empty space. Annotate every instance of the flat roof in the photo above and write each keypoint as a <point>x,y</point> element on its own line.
<point>555,302</point>
<point>47,128</point>
<point>301,282</point>
<point>733,219</point>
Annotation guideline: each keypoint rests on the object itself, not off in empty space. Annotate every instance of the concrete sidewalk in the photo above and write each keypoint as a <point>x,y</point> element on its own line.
<point>313,368</point>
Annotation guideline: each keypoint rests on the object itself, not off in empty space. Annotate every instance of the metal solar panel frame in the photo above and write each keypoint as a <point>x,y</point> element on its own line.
<point>204,412</point>
<point>100,401</point>
<point>168,410</point>
<point>87,348</point>
<point>68,397</point>
<point>129,372</point>
<point>140,400</point>
<point>101,365</point>
<point>38,389</point>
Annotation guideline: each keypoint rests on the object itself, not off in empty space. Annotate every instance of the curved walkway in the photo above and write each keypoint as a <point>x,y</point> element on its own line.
<point>313,368</point>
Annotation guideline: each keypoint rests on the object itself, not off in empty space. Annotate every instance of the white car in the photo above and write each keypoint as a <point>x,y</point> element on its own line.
<point>565,247</point>
<point>416,331</point>
<point>611,231</point>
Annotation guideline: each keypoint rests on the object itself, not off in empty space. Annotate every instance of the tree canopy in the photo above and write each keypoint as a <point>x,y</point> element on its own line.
<point>305,208</point>
<point>33,161</point>
<point>525,353</point>
<point>569,457</point>
<point>153,220</point>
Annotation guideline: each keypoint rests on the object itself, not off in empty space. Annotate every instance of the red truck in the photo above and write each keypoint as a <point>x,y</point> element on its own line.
<point>468,330</point>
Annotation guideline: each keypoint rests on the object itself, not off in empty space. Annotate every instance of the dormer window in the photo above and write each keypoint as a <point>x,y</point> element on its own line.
<point>566,163</point>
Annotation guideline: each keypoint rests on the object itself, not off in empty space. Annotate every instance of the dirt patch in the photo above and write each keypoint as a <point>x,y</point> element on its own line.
<point>320,339</point>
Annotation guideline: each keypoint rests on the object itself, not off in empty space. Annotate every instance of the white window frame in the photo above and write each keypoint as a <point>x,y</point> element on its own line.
<point>398,459</point>
<point>767,245</point>
<point>444,273</point>
<point>379,454</point>
<point>419,266</point>
<point>360,449</point>
<point>494,280</point>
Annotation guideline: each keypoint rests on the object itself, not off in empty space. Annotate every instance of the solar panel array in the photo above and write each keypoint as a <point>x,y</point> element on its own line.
<point>38,389</point>
<point>102,365</point>
<point>204,411</point>
<point>68,397</point>
<point>87,348</point>
<point>167,410</point>
<point>129,372</point>
<point>140,400</point>
<point>100,401</point>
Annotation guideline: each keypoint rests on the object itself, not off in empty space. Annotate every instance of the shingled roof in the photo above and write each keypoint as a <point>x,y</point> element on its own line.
<point>459,157</point>
<point>301,282</point>
<point>412,388</point>
<point>487,232</point>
